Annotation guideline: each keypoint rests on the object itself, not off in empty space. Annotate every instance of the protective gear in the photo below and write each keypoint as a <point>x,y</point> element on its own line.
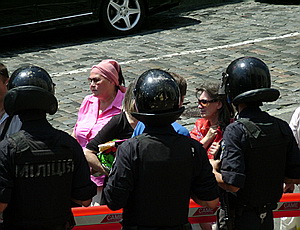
<point>149,164</point>
<point>30,88</point>
<point>157,98</point>
<point>264,138</point>
<point>39,165</point>
<point>247,79</point>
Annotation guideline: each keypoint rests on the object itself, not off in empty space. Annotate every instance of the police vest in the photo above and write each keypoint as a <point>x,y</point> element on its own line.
<point>265,160</point>
<point>160,200</point>
<point>42,182</point>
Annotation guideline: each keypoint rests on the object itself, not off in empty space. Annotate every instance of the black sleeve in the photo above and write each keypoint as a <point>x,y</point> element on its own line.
<point>82,186</point>
<point>232,158</point>
<point>121,178</point>
<point>107,133</point>
<point>204,185</point>
<point>6,173</point>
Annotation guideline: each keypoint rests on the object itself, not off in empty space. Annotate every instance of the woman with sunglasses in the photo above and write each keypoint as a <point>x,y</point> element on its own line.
<point>215,113</point>
<point>107,86</point>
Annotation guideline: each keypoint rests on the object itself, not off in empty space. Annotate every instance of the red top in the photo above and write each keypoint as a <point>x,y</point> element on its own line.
<point>200,130</point>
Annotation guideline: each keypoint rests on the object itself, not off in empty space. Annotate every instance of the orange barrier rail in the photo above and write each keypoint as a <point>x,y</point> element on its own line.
<point>92,217</point>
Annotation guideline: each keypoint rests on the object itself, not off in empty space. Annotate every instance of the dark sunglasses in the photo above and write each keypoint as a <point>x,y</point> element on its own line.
<point>205,103</point>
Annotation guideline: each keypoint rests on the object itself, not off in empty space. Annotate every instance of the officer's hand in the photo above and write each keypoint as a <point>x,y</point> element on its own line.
<point>93,171</point>
<point>214,148</point>
<point>288,188</point>
<point>215,164</point>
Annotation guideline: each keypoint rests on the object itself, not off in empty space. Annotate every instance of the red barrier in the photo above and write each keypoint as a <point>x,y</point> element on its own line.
<point>93,218</point>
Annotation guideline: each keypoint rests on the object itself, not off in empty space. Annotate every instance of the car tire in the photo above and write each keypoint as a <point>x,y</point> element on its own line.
<point>122,17</point>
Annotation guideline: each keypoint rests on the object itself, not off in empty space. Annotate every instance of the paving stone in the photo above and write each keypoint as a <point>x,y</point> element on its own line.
<point>194,40</point>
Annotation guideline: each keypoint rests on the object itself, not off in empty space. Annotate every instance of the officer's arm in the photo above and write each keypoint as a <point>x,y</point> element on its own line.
<point>210,204</point>
<point>84,203</point>
<point>93,161</point>
<point>291,181</point>
<point>2,207</point>
<point>222,184</point>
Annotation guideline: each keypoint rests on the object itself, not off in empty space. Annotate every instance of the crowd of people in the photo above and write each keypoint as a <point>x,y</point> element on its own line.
<point>127,150</point>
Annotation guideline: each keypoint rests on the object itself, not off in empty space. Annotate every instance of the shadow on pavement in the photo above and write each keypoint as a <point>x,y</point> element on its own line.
<point>13,45</point>
<point>280,2</point>
<point>57,38</point>
<point>91,33</point>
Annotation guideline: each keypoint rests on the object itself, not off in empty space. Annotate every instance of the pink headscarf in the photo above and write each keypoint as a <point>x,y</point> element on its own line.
<point>110,70</point>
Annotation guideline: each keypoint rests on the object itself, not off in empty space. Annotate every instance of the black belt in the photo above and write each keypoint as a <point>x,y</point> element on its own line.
<point>176,227</point>
<point>263,208</point>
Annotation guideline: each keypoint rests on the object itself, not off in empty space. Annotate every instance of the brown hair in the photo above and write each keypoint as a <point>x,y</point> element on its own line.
<point>226,112</point>
<point>181,82</point>
<point>3,72</point>
<point>128,101</point>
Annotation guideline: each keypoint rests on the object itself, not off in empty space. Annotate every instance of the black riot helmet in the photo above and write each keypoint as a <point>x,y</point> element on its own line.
<point>247,79</point>
<point>30,88</point>
<point>157,98</point>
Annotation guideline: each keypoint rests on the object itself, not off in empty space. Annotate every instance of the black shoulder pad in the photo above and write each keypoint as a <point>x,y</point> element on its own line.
<point>20,141</point>
<point>253,130</point>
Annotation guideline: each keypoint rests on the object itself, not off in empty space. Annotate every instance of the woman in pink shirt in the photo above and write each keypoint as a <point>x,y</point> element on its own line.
<point>107,86</point>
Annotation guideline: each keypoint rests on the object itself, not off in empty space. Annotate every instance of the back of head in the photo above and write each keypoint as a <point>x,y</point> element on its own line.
<point>128,101</point>
<point>157,98</point>
<point>248,80</point>
<point>181,82</point>
<point>30,88</point>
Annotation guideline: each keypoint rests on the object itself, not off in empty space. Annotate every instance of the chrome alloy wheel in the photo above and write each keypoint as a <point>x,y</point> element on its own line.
<point>124,15</point>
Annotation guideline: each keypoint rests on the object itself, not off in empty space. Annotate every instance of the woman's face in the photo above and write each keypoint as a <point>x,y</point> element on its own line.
<point>208,107</point>
<point>100,86</point>
<point>3,87</point>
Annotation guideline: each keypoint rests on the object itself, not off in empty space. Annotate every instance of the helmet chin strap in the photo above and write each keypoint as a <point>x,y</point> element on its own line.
<point>240,107</point>
<point>237,108</point>
<point>222,88</point>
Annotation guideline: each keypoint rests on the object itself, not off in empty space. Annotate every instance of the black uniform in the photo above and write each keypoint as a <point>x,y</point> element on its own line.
<point>154,176</point>
<point>256,157</point>
<point>40,176</point>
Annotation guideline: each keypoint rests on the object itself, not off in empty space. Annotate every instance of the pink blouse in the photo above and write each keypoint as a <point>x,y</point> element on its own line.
<point>89,121</point>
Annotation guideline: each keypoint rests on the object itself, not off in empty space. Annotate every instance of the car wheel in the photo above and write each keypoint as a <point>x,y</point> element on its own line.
<point>121,17</point>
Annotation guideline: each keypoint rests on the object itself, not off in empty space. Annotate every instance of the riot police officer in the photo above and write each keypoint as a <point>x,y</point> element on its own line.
<point>156,173</point>
<point>42,168</point>
<point>259,151</point>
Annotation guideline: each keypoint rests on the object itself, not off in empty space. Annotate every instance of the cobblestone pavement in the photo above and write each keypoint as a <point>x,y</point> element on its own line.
<point>196,42</point>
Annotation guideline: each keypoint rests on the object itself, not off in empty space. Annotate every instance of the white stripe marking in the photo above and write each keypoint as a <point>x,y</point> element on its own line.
<point>185,53</point>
